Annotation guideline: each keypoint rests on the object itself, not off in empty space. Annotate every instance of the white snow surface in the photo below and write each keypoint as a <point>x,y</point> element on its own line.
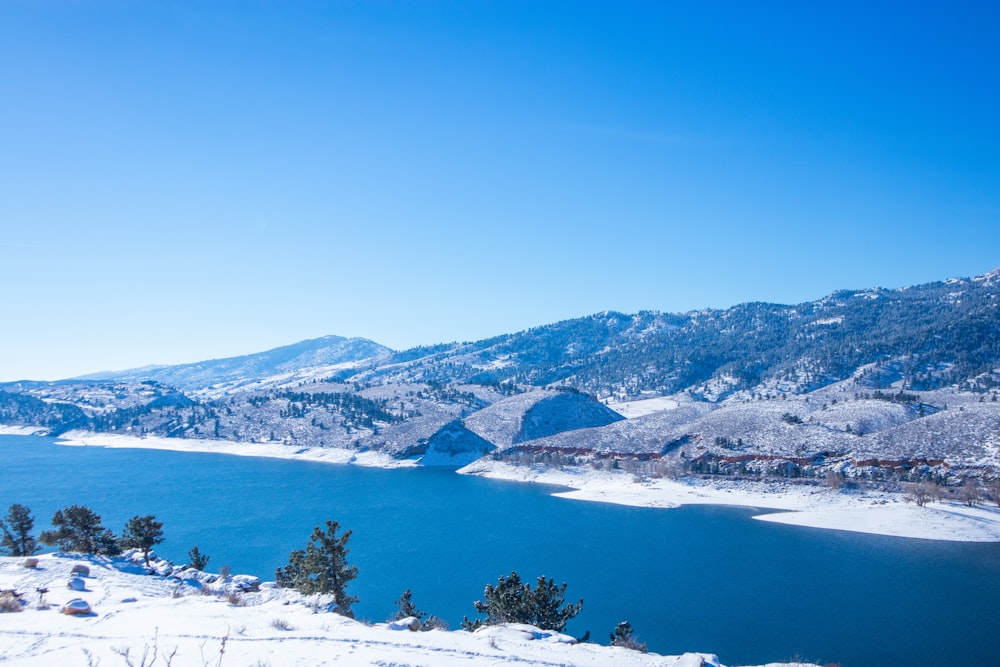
<point>645,406</point>
<point>7,429</point>
<point>135,614</point>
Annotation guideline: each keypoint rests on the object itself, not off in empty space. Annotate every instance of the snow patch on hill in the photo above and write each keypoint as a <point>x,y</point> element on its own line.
<point>645,406</point>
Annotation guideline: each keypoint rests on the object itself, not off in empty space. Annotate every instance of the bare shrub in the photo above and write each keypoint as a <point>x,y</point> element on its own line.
<point>236,598</point>
<point>10,601</point>
<point>435,623</point>
<point>281,624</point>
<point>923,493</point>
<point>222,652</point>
<point>148,657</point>
<point>970,493</point>
<point>993,488</point>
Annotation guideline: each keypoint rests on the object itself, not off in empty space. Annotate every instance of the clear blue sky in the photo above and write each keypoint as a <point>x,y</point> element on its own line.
<point>189,180</point>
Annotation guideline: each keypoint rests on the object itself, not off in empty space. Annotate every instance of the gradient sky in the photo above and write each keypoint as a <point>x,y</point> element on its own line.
<point>190,180</point>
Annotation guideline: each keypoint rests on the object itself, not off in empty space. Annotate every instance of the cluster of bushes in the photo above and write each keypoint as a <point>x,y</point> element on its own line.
<point>79,529</point>
<point>512,601</point>
<point>970,492</point>
<point>320,568</point>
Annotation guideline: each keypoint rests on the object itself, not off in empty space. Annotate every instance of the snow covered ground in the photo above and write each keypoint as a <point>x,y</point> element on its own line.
<point>135,617</point>
<point>818,507</point>
<point>646,406</point>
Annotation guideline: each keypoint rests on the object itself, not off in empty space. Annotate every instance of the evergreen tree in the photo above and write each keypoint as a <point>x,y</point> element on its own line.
<point>16,528</point>
<point>79,529</point>
<point>322,568</point>
<point>407,608</point>
<point>624,636</point>
<point>198,560</point>
<point>549,610</point>
<point>142,532</point>
<point>512,601</point>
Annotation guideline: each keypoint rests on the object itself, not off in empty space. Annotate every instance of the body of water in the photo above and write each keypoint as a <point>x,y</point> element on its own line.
<point>694,578</point>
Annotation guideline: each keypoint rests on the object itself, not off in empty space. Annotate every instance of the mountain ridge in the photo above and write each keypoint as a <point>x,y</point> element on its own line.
<point>891,384</point>
<point>327,350</point>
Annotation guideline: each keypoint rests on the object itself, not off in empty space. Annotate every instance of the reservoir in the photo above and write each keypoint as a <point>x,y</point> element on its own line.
<point>690,579</point>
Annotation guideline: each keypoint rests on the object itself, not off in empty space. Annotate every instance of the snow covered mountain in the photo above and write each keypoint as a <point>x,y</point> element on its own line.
<point>325,352</point>
<point>895,384</point>
<point>941,333</point>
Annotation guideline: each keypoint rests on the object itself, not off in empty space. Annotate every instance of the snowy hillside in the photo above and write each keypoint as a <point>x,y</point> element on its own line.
<point>237,371</point>
<point>536,414</point>
<point>189,618</point>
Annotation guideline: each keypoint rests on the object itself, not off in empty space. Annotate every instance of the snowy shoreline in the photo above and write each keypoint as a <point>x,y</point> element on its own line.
<point>873,512</point>
<point>274,451</point>
<point>130,613</point>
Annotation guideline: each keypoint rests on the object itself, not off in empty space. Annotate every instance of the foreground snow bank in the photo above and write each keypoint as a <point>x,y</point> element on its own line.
<point>876,512</point>
<point>133,614</point>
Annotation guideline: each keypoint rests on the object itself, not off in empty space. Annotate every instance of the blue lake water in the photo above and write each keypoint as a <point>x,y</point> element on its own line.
<point>694,578</point>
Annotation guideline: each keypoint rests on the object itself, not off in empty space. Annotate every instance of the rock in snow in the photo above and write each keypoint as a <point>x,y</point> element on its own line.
<point>76,607</point>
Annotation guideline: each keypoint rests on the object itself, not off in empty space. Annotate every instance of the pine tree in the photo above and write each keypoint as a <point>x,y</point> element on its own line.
<point>142,532</point>
<point>16,528</point>
<point>322,568</point>
<point>79,529</point>
<point>406,608</point>
<point>512,601</point>
<point>624,636</point>
<point>548,599</point>
<point>198,560</point>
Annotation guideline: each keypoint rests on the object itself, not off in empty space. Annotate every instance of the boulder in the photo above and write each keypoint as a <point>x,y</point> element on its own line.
<point>244,583</point>
<point>81,570</point>
<point>30,563</point>
<point>410,623</point>
<point>76,607</point>
<point>76,584</point>
<point>164,568</point>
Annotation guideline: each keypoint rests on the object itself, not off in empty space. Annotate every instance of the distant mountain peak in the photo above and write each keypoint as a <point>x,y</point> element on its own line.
<point>990,279</point>
<point>324,351</point>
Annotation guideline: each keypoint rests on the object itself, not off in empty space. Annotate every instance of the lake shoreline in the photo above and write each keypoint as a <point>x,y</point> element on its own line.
<point>868,511</point>
<point>873,512</point>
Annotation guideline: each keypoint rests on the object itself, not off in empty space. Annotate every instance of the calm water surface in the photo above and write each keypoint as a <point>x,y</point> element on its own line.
<point>694,578</point>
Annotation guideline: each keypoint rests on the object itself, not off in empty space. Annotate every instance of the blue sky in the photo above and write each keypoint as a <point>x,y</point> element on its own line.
<point>189,180</point>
